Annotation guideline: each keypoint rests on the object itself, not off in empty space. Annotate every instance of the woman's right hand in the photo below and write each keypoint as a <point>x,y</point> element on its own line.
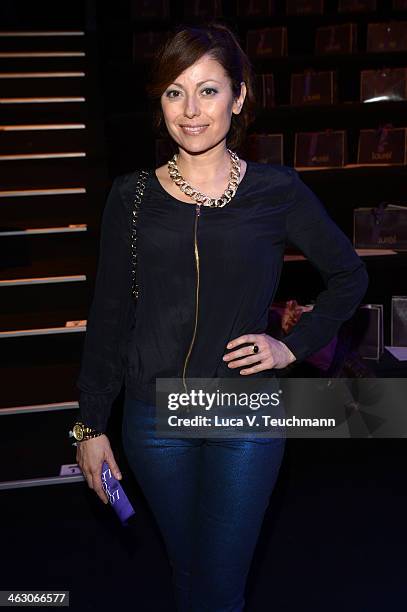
<point>90,455</point>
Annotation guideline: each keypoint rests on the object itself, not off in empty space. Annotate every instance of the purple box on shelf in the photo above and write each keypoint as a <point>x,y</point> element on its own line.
<point>387,36</point>
<point>336,39</point>
<point>267,42</point>
<point>380,227</point>
<point>320,149</point>
<point>265,148</point>
<point>398,320</point>
<point>383,84</point>
<point>368,326</point>
<point>311,88</point>
<point>384,146</point>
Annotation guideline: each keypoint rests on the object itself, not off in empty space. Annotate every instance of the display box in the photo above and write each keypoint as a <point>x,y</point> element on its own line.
<point>356,6</point>
<point>336,39</point>
<point>304,7</point>
<point>368,331</point>
<point>265,148</point>
<point>150,9</point>
<point>383,85</point>
<point>265,92</point>
<point>207,9</point>
<point>256,8</point>
<point>382,146</point>
<point>311,88</point>
<point>267,42</point>
<point>320,149</point>
<point>387,36</point>
<point>380,227</point>
<point>398,331</point>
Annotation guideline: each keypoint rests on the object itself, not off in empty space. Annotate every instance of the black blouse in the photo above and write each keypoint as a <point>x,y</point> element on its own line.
<point>204,280</point>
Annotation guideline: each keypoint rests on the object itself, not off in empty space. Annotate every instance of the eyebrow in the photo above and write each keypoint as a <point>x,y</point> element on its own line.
<point>198,84</point>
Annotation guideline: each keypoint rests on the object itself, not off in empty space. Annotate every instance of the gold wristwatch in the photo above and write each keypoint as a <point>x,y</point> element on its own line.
<point>82,432</point>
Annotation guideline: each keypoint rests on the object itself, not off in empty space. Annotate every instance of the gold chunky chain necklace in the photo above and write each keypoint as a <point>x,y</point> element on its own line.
<point>202,198</point>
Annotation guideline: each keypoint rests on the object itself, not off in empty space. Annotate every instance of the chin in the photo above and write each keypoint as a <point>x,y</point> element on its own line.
<point>194,148</point>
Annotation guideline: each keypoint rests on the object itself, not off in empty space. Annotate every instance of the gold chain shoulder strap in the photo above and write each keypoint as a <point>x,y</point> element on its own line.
<point>140,186</point>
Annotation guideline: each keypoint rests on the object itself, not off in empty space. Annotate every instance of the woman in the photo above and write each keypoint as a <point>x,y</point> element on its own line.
<point>208,265</point>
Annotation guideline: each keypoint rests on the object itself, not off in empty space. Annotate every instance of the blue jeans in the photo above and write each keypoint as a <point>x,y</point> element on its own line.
<point>208,497</point>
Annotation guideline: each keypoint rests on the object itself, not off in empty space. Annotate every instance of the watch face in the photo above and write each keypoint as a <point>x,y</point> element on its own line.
<point>78,432</point>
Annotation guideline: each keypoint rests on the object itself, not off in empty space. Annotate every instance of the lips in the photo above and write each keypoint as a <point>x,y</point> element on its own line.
<point>193,129</point>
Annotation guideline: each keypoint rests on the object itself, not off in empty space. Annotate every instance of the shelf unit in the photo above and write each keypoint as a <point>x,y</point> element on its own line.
<point>53,187</point>
<point>342,189</point>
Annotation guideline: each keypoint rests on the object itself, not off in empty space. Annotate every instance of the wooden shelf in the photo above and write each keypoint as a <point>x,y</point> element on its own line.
<point>350,167</point>
<point>360,252</point>
<point>283,111</point>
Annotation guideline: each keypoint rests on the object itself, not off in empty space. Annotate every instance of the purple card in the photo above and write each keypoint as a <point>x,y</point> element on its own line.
<point>116,495</point>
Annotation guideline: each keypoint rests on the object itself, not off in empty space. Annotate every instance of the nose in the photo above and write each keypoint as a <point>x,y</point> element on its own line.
<point>191,106</point>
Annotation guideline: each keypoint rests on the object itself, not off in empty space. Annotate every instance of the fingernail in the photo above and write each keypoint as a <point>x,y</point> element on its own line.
<point>119,475</point>
<point>229,345</point>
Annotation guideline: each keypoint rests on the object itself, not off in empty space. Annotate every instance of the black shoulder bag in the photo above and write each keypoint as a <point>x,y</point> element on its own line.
<point>140,186</point>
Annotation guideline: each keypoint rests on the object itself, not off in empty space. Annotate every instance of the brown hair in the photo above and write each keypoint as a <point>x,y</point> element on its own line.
<point>182,48</point>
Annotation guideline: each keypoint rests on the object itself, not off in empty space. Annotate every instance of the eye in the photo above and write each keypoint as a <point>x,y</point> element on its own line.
<point>210,89</point>
<point>170,91</point>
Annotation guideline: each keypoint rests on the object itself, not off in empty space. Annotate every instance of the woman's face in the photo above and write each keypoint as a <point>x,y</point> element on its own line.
<point>198,106</point>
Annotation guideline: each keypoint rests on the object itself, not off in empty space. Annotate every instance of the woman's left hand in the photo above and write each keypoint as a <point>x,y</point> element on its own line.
<point>272,353</point>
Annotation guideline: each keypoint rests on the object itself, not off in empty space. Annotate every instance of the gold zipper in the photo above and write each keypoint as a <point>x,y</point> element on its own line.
<point>196,251</point>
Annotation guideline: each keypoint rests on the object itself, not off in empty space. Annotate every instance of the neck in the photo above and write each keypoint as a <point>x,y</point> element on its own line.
<point>207,167</point>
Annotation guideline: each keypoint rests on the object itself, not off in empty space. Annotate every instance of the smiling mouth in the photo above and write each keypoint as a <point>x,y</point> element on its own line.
<point>193,129</point>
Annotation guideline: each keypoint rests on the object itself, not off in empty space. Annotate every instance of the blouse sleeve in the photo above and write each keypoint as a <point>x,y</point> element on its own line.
<point>109,318</point>
<point>312,230</point>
